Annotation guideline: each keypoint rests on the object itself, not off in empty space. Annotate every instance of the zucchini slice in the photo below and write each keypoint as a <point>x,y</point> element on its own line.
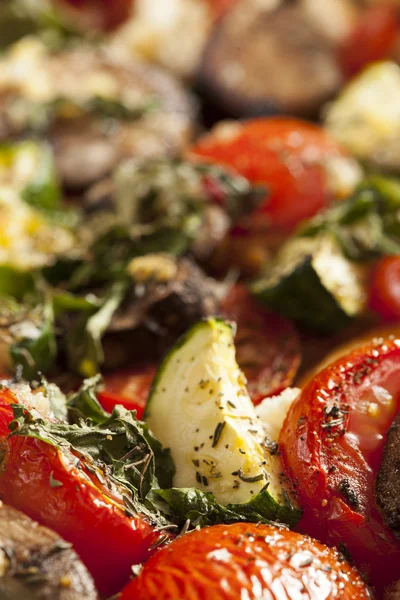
<point>199,408</point>
<point>365,118</point>
<point>313,283</point>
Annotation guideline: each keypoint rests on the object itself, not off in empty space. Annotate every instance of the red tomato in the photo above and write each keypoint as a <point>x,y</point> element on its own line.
<point>244,560</point>
<point>284,154</point>
<point>129,387</point>
<point>372,39</point>
<point>64,495</point>
<point>385,288</point>
<point>332,443</point>
<point>267,345</point>
<point>101,14</point>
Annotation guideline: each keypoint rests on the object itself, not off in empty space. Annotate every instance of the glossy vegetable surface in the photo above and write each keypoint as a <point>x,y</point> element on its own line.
<point>285,154</point>
<point>332,443</point>
<point>129,387</point>
<point>385,288</point>
<point>65,493</point>
<point>227,562</point>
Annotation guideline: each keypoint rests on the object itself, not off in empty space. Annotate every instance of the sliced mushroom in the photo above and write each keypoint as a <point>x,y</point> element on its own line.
<point>168,295</point>
<point>268,57</point>
<point>35,563</point>
<point>388,480</point>
<point>95,108</point>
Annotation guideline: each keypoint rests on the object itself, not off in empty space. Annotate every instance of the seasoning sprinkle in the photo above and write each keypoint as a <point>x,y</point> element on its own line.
<point>246,479</point>
<point>217,433</point>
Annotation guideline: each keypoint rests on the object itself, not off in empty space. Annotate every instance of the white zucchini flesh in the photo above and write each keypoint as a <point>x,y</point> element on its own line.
<point>199,407</point>
<point>366,115</point>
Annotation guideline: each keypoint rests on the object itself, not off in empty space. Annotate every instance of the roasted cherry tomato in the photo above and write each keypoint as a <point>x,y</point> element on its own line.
<point>100,14</point>
<point>129,387</point>
<point>372,39</point>
<point>285,154</point>
<point>385,288</point>
<point>267,345</point>
<point>332,443</point>
<point>67,496</point>
<point>244,560</point>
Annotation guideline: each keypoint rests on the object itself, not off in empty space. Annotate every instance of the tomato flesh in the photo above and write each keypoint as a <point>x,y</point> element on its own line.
<point>284,154</point>
<point>66,496</point>
<point>129,387</point>
<point>248,561</point>
<point>332,444</point>
<point>385,288</point>
<point>372,39</point>
<point>267,345</point>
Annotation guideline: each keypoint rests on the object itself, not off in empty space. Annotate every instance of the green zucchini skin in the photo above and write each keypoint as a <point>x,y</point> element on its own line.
<point>302,297</point>
<point>180,343</point>
<point>314,284</point>
<point>200,409</point>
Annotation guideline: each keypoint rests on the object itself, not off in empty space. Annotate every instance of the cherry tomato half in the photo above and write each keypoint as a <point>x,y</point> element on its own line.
<point>284,154</point>
<point>245,560</point>
<point>372,39</point>
<point>267,345</point>
<point>385,288</point>
<point>332,443</point>
<point>129,387</point>
<point>64,493</point>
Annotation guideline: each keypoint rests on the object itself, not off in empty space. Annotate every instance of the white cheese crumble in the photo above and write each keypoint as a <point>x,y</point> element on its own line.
<point>272,411</point>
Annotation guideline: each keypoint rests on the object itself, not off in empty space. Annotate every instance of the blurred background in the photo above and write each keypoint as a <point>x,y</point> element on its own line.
<point>134,127</point>
<point>245,57</point>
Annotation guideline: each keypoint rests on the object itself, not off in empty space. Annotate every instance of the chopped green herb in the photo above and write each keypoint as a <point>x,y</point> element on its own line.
<point>217,434</point>
<point>54,483</point>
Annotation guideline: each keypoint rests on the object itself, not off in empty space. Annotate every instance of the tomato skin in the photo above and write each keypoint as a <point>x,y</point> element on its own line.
<point>372,39</point>
<point>285,154</point>
<point>267,345</point>
<point>129,387</point>
<point>6,413</point>
<point>385,288</point>
<point>82,510</point>
<point>101,14</point>
<point>244,560</point>
<point>320,458</point>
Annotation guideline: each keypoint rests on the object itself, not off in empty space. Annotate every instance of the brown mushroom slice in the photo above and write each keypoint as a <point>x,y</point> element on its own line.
<point>86,151</point>
<point>35,563</point>
<point>95,108</point>
<point>168,296</point>
<point>388,480</point>
<point>73,146</point>
<point>263,58</point>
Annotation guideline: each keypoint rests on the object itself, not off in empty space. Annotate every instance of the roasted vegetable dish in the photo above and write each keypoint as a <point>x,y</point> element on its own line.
<point>199,300</point>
